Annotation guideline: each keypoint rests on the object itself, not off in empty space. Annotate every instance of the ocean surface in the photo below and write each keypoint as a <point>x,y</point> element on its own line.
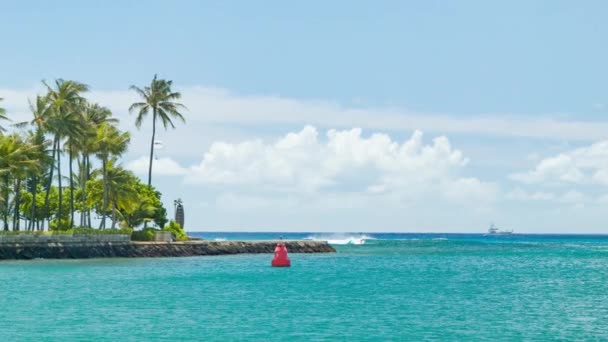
<point>377,287</point>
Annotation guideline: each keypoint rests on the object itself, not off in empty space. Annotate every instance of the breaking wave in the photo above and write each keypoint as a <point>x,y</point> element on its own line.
<point>336,239</point>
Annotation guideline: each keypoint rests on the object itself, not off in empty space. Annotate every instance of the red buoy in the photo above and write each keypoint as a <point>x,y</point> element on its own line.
<point>280,256</point>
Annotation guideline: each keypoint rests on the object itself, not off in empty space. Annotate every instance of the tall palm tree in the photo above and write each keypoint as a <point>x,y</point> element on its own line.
<point>40,144</point>
<point>3,115</point>
<point>92,117</point>
<point>42,111</point>
<point>64,119</point>
<point>109,142</point>
<point>71,147</point>
<point>159,99</point>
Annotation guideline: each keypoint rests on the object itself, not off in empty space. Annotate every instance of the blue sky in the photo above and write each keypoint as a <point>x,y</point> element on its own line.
<point>517,89</point>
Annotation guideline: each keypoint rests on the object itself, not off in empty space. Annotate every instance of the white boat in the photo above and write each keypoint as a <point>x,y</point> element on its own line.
<point>493,230</point>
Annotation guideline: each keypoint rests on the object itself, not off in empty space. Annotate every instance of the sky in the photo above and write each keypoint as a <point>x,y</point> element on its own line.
<point>375,116</point>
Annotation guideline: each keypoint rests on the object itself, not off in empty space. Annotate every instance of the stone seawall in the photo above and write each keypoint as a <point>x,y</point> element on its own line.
<point>63,238</point>
<point>82,250</point>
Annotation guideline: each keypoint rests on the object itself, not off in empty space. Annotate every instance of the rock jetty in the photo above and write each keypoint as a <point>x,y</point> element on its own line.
<point>81,249</point>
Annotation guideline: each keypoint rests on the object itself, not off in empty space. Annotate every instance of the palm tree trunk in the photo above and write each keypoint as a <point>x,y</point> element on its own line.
<point>152,147</point>
<point>82,170</point>
<point>7,202</point>
<point>71,189</point>
<point>105,194</point>
<point>114,215</point>
<point>50,182</point>
<point>60,209</point>
<point>33,214</point>
<point>17,200</point>
<point>151,154</point>
<point>88,174</point>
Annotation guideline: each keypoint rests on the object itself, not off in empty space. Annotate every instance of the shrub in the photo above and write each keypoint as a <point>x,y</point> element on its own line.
<point>146,234</point>
<point>62,224</point>
<point>92,231</point>
<point>74,231</point>
<point>176,230</point>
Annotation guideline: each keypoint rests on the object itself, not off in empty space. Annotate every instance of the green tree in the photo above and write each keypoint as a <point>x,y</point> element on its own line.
<point>17,158</point>
<point>109,143</point>
<point>121,192</point>
<point>131,210</point>
<point>117,190</point>
<point>64,120</point>
<point>176,230</point>
<point>150,207</point>
<point>159,99</point>
<point>39,110</point>
<point>93,116</point>
<point>50,213</point>
<point>35,145</point>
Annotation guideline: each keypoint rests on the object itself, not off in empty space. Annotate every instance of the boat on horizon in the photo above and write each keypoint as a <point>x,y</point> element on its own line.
<point>493,230</point>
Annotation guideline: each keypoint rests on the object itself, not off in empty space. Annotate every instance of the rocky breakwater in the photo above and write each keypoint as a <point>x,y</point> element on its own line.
<point>100,248</point>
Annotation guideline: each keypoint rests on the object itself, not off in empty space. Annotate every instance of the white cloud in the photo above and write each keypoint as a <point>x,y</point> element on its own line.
<point>217,106</point>
<point>372,178</point>
<point>345,161</point>
<point>586,165</point>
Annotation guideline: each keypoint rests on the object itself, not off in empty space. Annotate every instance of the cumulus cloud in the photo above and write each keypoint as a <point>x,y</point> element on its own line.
<point>342,161</point>
<point>586,165</point>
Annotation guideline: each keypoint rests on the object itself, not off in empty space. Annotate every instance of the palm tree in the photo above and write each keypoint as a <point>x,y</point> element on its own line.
<point>42,112</point>
<point>37,140</point>
<point>71,148</point>
<point>17,159</point>
<point>160,100</point>
<point>64,119</point>
<point>120,191</point>
<point>28,164</point>
<point>93,116</point>
<point>109,142</point>
<point>3,116</point>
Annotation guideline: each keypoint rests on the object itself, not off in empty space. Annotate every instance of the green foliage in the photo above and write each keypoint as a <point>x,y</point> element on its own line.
<point>176,230</point>
<point>60,224</point>
<point>160,213</point>
<point>91,231</point>
<point>146,234</point>
<point>135,201</point>
<point>42,214</point>
<point>65,127</point>
<point>161,101</point>
<point>18,159</point>
<point>74,231</point>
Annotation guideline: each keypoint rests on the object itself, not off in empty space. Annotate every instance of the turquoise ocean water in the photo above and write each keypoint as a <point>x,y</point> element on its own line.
<point>397,287</point>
